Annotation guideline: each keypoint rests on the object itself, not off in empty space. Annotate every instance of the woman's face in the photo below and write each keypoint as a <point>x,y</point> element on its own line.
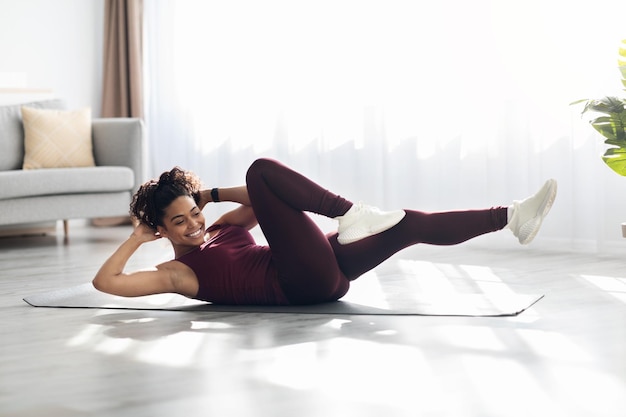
<point>183,223</point>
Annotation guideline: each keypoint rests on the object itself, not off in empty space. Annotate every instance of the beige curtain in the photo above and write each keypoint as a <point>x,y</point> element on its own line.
<point>122,78</point>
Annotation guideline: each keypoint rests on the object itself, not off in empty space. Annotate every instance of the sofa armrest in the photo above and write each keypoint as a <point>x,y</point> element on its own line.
<point>120,142</point>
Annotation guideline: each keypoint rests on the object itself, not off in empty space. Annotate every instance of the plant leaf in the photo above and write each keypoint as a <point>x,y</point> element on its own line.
<point>615,142</point>
<point>621,61</point>
<point>611,127</point>
<point>582,100</point>
<point>612,120</point>
<point>615,158</point>
<point>607,104</point>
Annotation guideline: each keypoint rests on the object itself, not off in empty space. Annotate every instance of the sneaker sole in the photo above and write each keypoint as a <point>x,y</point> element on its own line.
<point>534,224</point>
<point>350,236</point>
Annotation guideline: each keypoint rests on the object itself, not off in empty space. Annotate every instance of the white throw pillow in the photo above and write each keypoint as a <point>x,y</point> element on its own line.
<point>57,138</point>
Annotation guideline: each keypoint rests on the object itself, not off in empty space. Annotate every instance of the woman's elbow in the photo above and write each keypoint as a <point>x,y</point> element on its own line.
<point>100,284</point>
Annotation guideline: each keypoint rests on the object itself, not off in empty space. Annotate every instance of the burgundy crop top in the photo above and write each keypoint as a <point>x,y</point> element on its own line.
<point>232,269</point>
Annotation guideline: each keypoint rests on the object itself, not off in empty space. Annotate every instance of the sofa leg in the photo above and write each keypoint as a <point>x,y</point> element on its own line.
<point>66,228</point>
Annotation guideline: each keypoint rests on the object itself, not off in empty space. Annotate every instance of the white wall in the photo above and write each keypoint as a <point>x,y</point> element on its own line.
<point>57,45</point>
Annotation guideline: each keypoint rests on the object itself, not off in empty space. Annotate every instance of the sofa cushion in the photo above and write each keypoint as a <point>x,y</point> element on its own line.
<point>57,138</point>
<point>52,181</point>
<point>12,132</point>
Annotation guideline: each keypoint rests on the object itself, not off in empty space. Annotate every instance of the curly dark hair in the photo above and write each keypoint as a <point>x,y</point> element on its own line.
<point>153,197</point>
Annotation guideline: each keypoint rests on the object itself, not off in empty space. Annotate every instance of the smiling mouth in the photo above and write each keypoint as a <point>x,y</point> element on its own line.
<point>196,234</point>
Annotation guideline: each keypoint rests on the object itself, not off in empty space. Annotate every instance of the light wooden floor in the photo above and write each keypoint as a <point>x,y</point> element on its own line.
<point>566,356</point>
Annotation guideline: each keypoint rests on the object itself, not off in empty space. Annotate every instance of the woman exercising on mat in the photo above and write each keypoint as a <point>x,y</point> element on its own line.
<point>300,265</point>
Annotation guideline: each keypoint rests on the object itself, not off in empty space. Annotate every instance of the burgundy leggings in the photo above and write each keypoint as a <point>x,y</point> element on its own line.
<point>314,267</point>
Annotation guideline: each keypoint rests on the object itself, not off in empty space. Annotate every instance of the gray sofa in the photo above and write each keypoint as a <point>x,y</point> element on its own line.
<point>44,195</point>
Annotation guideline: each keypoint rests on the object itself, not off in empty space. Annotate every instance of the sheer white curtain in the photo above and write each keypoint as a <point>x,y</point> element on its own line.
<point>433,105</point>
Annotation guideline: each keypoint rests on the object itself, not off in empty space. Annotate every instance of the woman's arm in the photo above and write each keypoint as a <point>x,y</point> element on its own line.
<point>241,216</point>
<point>234,194</point>
<point>112,279</point>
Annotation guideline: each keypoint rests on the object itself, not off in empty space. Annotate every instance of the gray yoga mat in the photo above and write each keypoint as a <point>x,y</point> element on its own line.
<point>397,303</point>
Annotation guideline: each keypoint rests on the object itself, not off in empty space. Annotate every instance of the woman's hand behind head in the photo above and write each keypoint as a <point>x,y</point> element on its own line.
<point>144,233</point>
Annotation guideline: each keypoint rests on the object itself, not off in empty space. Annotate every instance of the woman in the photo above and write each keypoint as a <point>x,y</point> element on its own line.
<point>300,265</point>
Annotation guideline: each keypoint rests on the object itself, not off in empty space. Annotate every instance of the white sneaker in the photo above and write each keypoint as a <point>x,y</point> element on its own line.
<point>362,221</point>
<point>528,214</point>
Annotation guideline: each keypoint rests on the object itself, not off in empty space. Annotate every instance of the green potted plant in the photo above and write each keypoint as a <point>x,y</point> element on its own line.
<point>608,117</point>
